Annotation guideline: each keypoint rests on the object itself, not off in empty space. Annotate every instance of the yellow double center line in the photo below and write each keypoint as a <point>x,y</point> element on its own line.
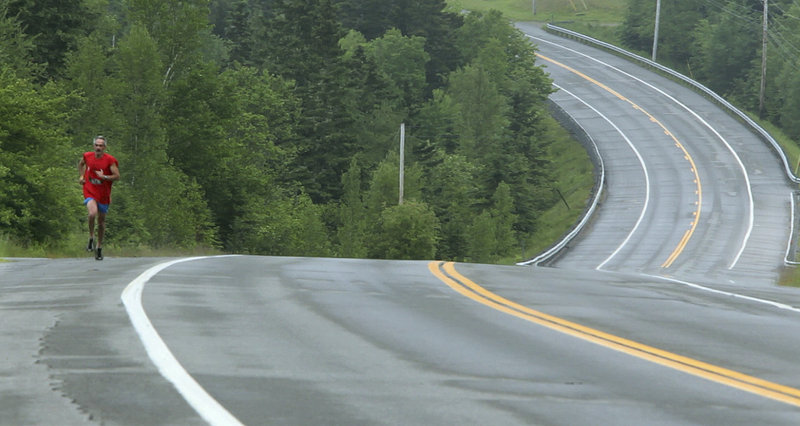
<point>446,272</point>
<point>699,191</point>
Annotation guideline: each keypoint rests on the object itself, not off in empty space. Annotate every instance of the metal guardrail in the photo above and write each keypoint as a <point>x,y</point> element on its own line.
<point>577,131</point>
<point>791,246</point>
<point>758,130</point>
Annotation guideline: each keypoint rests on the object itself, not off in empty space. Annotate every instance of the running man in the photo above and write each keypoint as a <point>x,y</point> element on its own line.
<point>98,172</point>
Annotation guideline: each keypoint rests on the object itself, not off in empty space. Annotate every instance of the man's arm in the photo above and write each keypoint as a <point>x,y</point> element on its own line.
<point>82,171</point>
<point>114,173</point>
<point>113,176</point>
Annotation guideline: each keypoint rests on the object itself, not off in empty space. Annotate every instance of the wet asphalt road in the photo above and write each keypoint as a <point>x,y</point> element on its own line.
<point>332,341</point>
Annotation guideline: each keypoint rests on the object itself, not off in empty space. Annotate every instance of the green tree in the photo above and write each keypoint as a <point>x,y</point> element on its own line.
<point>430,20</point>
<point>678,20</point>
<point>406,231</point>
<point>300,37</point>
<point>503,216</point>
<point>636,31</point>
<point>39,195</point>
<point>369,17</point>
<point>139,98</point>
<point>482,110</point>
<point>481,238</point>
<point>180,29</point>
<point>384,193</point>
<point>232,21</point>
<point>374,101</point>
<point>88,72</point>
<point>422,18</point>
<point>515,151</point>
<point>384,189</point>
<point>490,43</point>
<point>16,47</point>
<point>352,215</point>
<point>402,60</point>
<point>491,234</point>
<point>157,192</point>
<point>437,123</point>
<point>55,25</point>
<point>720,66</point>
<point>224,130</point>
<point>782,101</point>
<point>790,109</point>
<point>452,193</point>
<point>281,225</point>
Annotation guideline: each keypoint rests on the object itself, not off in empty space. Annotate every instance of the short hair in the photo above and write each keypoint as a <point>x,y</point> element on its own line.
<point>105,142</point>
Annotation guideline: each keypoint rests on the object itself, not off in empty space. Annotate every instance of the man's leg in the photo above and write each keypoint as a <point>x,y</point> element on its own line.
<point>101,230</point>
<point>91,208</point>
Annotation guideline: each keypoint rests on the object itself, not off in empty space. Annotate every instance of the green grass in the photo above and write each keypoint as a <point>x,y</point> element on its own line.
<point>585,11</point>
<point>75,245</point>
<point>595,18</point>
<point>790,275</point>
<point>789,146</point>
<point>574,178</point>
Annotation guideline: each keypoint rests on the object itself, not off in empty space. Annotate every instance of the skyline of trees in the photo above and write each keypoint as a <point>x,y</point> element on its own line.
<point>271,127</point>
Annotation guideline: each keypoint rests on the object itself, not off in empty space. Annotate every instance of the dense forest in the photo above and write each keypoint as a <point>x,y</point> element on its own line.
<point>720,43</point>
<point>273,126</point>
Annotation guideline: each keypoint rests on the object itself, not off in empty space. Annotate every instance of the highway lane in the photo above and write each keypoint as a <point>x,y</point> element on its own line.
<point>309,341</point>
<point>366,342</point>
<point>70,355</point>
<point>691,193</point>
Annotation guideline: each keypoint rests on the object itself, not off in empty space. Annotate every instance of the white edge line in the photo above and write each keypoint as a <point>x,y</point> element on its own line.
<point>589,213</point>
<point>644,171</point>
<point>727,293</point>
<point>705,123</point>
<point>169,367</point>
<point>791,232</point>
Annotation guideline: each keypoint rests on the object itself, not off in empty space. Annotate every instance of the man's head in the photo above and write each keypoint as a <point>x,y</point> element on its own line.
<point>99,144</point>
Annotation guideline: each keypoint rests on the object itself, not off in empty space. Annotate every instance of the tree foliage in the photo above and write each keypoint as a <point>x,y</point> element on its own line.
<point>34,161</point>
<point>406,231</point>
<point>273,127</point>
<point>719,43</point>
<point>56,26</point>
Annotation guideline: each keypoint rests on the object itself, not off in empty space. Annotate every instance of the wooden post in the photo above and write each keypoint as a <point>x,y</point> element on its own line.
<point>402,158</point>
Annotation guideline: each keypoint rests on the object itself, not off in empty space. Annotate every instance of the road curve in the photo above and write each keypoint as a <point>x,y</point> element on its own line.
<point>691,192</point>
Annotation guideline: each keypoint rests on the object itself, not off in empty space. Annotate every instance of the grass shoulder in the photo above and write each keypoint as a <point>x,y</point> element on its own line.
<point>600,12</point>
<point>573,174</point>
<point>74,247</point>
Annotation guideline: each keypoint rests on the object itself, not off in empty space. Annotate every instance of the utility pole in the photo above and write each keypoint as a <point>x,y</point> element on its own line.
<point>763,62</point>
<point>533,6</point>
<point>402,159</point>
<point>655,30</point>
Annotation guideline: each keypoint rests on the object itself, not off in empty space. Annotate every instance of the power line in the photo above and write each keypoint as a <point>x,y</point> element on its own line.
<point>728,8</point>
<point>763,60</point>
<point>776,36</point>
<point>779,37</point>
